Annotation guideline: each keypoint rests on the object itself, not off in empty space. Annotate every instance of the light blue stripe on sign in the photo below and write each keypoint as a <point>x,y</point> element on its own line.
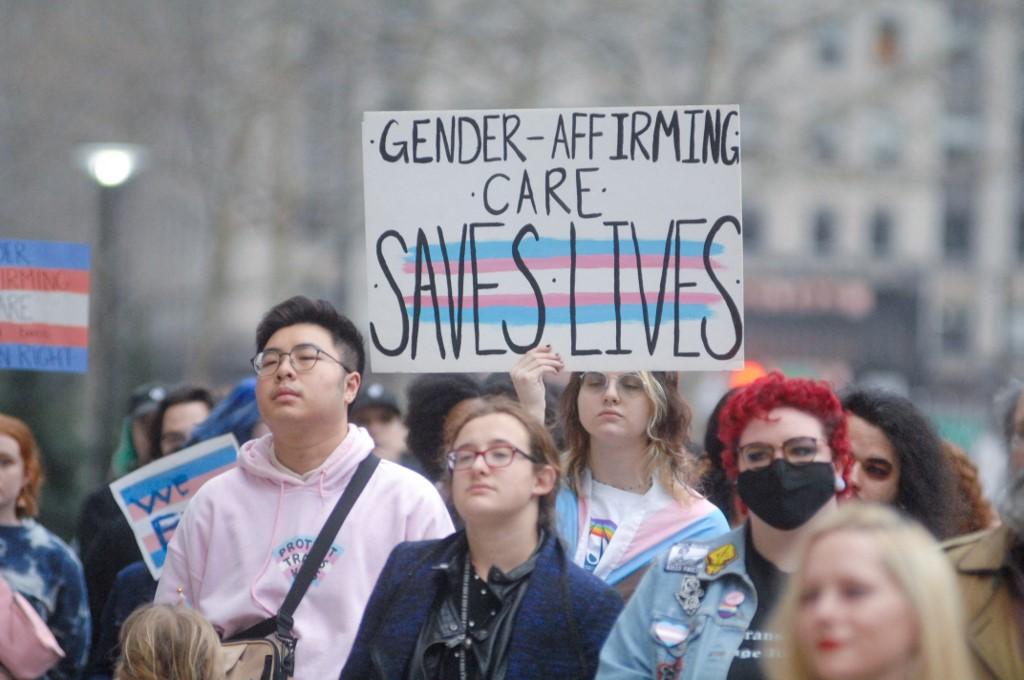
<point>49,358</point>
<point>552,247</point>
<point>189,470</point>
<point>52,254</point>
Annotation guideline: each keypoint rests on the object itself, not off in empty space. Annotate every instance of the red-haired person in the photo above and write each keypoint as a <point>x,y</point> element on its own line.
<point>701,610</point>
<point>35,562</point>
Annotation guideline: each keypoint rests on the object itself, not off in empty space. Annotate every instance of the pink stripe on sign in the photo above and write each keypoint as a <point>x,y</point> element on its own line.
<point>152,543</point>
<point>191,486</point>
<point>43,334</point>
<point>582,262</point>
<point>562,299</point>
<point>44,280</point>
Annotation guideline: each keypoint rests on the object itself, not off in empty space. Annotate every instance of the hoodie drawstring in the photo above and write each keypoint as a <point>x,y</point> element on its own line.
<point>270,551</point>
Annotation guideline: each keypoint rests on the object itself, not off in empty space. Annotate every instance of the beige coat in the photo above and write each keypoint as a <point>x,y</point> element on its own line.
<point>994,619</point>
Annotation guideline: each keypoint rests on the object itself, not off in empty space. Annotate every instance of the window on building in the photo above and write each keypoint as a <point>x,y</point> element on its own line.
<point>956,329</point>
<point>881,233</point>
<point>963,82</point>
<point>824,141</point>
<point>956,237</point>
<point>824,236</point>
<point>753,229</point>
<point>886,139</point>
<point>888,42</point>
<point>1020,236</point>
<point>831,42</point>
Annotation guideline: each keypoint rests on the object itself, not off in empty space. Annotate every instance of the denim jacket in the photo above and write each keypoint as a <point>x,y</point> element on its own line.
<point>687,617</point>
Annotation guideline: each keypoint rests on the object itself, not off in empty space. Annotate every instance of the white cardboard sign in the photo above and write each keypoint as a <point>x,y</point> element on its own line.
<point>612,234</point>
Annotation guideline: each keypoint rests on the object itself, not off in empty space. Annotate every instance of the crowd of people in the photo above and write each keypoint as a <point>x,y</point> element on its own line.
<point>505,528</point>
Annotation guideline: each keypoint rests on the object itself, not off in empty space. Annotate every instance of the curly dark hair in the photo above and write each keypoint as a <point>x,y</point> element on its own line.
<point>977,512</point>
<point>714,482</point>
<point>927,483</point>
<point>773,391</point>
<point>431,397</point>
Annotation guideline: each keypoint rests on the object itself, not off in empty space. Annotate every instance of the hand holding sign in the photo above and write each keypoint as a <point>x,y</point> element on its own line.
<point>528,378</point>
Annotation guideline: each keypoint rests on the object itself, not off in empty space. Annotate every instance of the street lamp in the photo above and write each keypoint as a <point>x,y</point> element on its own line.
<point>111,167</point>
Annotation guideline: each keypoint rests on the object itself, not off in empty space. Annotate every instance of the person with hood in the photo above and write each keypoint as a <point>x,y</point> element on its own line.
<point>99,507</point>
<point>701,611</point>
<point>246,533</point>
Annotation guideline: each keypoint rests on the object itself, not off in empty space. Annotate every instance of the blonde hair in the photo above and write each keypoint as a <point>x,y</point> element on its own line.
<point>162,641</point>
<point>918,567</point>
<point>666,455</point>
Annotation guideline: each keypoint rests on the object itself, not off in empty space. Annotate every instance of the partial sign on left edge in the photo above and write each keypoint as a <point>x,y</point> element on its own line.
<point>154,497</point>
<point>44,306</point>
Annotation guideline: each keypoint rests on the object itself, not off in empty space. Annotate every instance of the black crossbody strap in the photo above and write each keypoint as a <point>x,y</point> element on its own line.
<point>309,568</point>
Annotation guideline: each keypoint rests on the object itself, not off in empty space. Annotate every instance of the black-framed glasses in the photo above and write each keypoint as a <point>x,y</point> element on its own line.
<point>497,456</point>
<point>798,451</point>
<point>303,357</point>
<point>628,383</point>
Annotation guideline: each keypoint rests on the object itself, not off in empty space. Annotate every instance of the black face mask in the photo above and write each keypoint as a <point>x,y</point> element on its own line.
<point>786,495</point>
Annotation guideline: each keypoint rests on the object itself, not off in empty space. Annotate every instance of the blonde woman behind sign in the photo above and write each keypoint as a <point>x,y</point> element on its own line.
<point>870,599</point>
<point>628,493</point>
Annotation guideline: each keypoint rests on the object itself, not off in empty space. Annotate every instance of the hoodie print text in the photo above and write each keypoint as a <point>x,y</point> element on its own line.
<point>293,552</point>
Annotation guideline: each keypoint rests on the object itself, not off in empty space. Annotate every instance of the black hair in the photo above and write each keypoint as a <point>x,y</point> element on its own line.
<point>183,394</point>
<point>301,309</point>
<point>927,485</point>
<point>1006,405</point>
<point>430,397</point>
<point>715,483</point>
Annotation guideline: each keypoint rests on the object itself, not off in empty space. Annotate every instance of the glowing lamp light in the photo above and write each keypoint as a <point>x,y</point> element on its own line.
<point>110,165</point>
<point>750,372</point>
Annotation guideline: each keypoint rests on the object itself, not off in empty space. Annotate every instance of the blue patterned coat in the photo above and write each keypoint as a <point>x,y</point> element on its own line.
<point>43,568</point>
<point>563,620</point>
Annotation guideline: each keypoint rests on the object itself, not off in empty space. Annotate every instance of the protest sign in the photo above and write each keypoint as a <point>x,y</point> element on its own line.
<point>153,497</point>
<point>44,306</point>
<point>612,234</point>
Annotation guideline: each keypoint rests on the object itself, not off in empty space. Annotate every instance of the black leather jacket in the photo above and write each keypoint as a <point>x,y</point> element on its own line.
<point>492,608</point>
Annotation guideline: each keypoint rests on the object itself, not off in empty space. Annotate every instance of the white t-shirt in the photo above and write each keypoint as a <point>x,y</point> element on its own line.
<point>609,507</point>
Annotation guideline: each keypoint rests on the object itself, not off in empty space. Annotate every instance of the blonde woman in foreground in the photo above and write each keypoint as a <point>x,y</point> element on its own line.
<point>165,641</point>
<point>873,598</point>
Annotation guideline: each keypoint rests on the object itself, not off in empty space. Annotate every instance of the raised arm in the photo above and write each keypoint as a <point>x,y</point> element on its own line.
<point>528,377</point>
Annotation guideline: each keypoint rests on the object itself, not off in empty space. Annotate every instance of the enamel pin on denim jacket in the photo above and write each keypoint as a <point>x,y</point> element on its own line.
<point>688,616</point>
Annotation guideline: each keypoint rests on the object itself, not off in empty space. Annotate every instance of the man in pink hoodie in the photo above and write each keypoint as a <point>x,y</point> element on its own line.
<point>246,532</point>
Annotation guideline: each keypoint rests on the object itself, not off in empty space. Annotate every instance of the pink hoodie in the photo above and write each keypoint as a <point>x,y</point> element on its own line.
<point>246,532</point>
